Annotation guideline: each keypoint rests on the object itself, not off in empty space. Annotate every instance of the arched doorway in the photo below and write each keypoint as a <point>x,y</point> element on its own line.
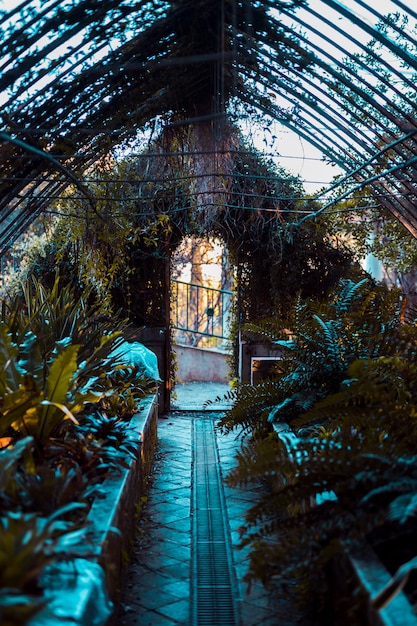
<point>202,281</point>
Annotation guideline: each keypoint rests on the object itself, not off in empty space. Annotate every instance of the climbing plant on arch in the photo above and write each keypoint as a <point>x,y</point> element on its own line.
<point>147,202</point>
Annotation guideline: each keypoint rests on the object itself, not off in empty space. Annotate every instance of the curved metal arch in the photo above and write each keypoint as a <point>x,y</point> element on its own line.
<point>325,137</point>
<point>346,35</point>
<point>406,9</point>
<point>402,190</point>
<point>307,80</point>
<point>350,84</point>
<point>404,211</point>
<point>372,32</point>
<point>78,27</point>
<point>357,148</point>
<point>317,88</point>
<point>401,187</point>
<point>372,71</point>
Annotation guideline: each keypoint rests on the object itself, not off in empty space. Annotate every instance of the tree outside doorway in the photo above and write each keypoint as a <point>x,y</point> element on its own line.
<point>201,293</point>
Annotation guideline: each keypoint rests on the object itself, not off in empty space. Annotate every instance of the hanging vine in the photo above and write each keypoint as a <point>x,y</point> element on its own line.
<point>147,203</point>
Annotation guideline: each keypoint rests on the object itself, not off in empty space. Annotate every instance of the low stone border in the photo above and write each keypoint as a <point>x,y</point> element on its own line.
<point>83,591</point>
<point>373,577</point>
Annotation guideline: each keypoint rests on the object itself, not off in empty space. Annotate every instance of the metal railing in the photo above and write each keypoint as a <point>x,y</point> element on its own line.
<point>200,314</point>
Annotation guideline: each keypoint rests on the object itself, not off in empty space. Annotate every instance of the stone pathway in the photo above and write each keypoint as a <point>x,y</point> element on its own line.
<point>157,589</point>
<point>193,397</point>
<point>187,568</point>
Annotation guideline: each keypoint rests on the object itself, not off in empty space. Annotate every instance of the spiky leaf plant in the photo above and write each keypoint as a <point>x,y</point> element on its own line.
<point>55,444</point>
<point>112,439</point>
<point>54,358</point>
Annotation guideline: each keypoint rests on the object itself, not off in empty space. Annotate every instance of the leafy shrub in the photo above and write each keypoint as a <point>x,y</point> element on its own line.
<point>358,321</point>
<point>65,408</point>
<point>346,472</point>
<point>29,544</point>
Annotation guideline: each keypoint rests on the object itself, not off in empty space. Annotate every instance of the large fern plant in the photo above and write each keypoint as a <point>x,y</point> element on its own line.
<point>358,321</point>
<point>347,473</point>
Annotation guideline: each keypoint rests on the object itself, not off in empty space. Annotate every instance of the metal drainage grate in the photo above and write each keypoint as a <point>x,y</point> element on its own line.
<point>213,583</point>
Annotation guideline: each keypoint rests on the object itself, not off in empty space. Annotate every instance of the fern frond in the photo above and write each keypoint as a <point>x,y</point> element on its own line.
<point>404,506</point>
<point>331,343</point>
<point>349,378</point>
<point>270,330</point>
<point>348,293</point>
<point>392,487</point>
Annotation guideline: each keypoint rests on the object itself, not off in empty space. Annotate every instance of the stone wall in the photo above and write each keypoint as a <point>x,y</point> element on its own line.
<point>200,365</point>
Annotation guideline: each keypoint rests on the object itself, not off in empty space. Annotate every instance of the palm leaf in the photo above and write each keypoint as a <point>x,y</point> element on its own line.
<point>59,384</point>
<point>61,373</point>
<point>10,373</point>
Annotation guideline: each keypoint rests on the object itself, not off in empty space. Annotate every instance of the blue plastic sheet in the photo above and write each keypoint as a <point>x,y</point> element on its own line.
<point>137,355</point>
<point>76,594</point>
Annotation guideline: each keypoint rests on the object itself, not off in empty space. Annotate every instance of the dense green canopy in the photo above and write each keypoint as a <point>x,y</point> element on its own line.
<point>80,77</point>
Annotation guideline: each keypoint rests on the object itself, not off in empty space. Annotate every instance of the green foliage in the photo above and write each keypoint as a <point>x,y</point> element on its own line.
<point>358,320</point>
<point>28,545</point>
<point>112,439</point>
<point>375,389</point>
<point>345,473</point>
<point>48,489</point>
<point>9,462</point>
<point>42,408</point>
<point>328,494</point>
<point>17,608</point>
<point>140,218</point>
<point>61,430</point>
<point>52,351</point>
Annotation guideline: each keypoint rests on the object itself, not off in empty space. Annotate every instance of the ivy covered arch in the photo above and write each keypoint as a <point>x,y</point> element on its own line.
<point>125,254</point>
<point>80,79</point>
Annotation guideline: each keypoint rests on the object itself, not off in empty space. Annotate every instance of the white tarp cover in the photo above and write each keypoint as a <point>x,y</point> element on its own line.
<point>137,355</point>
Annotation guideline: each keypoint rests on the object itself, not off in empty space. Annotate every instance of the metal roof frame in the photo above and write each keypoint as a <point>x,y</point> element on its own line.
<point>69,66</point>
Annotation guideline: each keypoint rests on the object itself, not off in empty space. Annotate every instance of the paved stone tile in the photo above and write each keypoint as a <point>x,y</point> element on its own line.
<point>179,611</point>
<point>180,571</point>
<point>195,395</point>
<point>149,579</point>
<point>143,617</point>
<point>179,483</point>
<point>155,599</point>
<point>181,500</point>
<point>176,551</point>
<point>165,517</point>
<point>179,588</point>
<point>181,537</point>
<point>181,524</point>
<point>157,591</point>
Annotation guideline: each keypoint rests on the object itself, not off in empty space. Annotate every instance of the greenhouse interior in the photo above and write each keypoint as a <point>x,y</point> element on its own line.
<point>208,331</point>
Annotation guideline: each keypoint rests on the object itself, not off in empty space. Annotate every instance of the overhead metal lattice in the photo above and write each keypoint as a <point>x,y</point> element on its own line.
<point>79,77</point>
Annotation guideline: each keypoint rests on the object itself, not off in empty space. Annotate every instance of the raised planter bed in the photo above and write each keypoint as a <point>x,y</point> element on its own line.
<point>83,591</point>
